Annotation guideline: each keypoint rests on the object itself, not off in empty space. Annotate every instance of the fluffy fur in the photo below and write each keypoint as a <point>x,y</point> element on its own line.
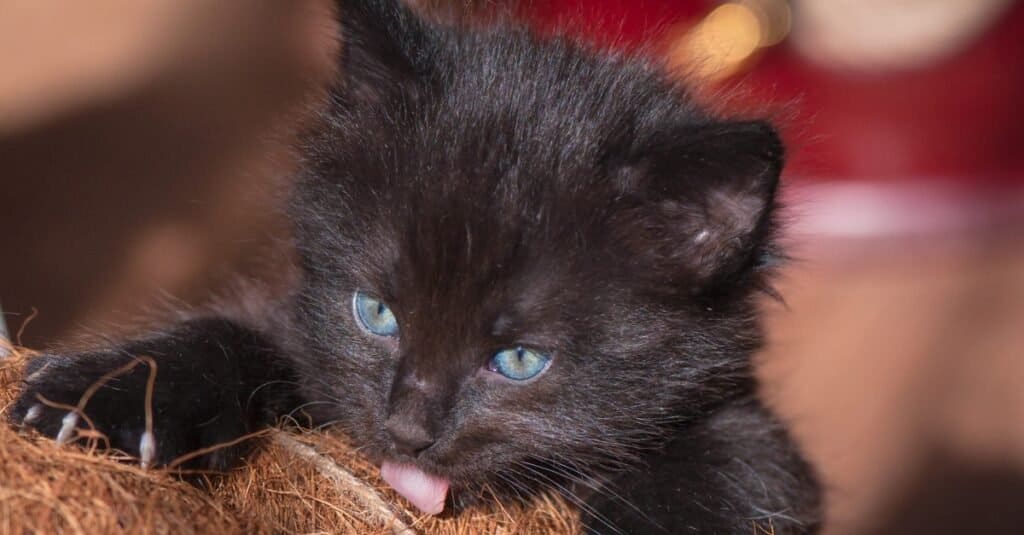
<point>497,189</point>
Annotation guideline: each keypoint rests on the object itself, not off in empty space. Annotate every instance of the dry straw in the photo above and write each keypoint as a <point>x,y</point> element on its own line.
<point>297,483</point>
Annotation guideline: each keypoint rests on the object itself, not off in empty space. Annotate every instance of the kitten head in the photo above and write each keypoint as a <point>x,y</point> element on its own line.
<point>522,258</point>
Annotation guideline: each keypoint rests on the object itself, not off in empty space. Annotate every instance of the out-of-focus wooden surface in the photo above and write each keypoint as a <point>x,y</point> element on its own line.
<point>142,142</point>
<point>58,57</point>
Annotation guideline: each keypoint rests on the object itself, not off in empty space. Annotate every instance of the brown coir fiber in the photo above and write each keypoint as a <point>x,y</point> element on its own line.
<point>298,483</point>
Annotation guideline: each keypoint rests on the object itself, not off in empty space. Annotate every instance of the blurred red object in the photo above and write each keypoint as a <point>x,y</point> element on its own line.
<point>957,119</point>
<point>626,23</point>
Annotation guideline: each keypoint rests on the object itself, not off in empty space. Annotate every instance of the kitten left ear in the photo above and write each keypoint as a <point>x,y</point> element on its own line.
<point>706,196</point>
<point>383,45</point>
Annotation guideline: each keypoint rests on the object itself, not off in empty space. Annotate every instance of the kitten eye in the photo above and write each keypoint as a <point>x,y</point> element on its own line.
<point>374,315</point>
<point>518,364</point>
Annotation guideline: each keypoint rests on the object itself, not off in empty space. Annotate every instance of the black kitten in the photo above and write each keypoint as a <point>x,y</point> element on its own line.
<point>523,264</point>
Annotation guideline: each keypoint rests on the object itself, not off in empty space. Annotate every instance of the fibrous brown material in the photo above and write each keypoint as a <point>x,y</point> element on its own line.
<point>298,483</point>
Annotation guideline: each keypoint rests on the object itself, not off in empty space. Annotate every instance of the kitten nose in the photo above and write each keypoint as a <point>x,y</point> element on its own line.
<point>410,438</point>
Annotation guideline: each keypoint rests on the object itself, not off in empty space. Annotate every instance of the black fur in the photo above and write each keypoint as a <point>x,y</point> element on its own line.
<point>497,189</point>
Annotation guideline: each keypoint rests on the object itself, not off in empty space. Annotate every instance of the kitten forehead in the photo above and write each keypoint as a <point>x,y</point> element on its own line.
<point>520,112</point>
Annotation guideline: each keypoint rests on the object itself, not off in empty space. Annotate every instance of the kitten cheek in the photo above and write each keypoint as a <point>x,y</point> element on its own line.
<point>390,343</point>
<point>370,349</point>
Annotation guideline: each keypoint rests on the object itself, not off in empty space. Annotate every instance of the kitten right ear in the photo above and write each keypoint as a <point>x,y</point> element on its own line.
<point>383,45</point>
<point>700,199</point>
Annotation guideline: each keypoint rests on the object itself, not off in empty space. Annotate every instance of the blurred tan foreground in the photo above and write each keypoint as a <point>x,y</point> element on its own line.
<point>899,365</point>
<point>141,143</point>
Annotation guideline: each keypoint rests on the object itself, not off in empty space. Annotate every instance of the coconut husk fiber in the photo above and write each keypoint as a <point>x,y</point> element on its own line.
<point>300,482</point>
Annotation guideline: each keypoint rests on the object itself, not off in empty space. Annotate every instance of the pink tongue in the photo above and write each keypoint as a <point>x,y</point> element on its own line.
<point>426,492</point>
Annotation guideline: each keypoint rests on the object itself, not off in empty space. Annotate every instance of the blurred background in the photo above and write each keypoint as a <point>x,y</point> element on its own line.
<point>143,152</point>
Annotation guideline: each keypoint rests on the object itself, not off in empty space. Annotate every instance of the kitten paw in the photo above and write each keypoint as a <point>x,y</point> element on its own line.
<point>83,399</point>
<point>159,415</point>
<point>189,397</point>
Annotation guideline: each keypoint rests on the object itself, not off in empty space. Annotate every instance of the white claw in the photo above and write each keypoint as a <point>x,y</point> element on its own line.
<point>33,414</point>
<point>147,449</point>
<point>67,427</point>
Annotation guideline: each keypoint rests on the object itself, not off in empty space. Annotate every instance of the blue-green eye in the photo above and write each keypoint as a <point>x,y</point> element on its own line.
<point>518,364</point>
<point>374,315</point>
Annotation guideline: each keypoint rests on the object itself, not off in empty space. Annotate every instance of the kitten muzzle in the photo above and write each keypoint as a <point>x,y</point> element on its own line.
<point>423,490</point>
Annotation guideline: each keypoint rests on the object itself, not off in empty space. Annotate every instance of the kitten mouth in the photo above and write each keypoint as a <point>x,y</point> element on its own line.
<point>423,490</point>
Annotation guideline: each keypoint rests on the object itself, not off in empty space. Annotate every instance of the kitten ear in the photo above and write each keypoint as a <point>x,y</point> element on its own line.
<point>383,44</point>
<point>703,198</point>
